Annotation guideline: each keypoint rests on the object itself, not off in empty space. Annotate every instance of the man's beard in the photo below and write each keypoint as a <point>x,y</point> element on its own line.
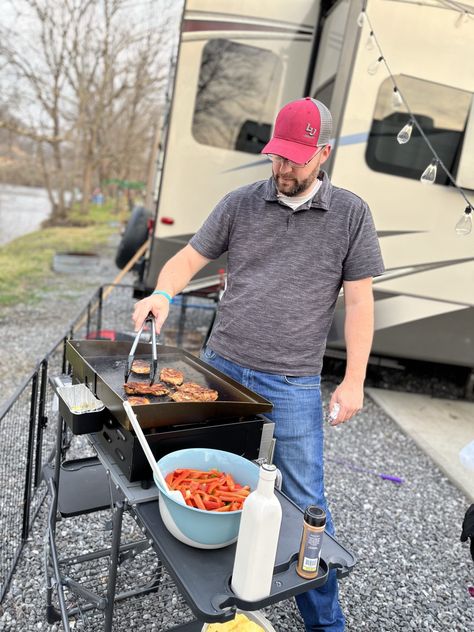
<point>298,187</point>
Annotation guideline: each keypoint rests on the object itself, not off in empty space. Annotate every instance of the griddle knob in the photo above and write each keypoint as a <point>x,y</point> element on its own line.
<point>119,454</point>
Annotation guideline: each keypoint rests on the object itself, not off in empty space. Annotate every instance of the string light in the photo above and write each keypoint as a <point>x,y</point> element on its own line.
<point>429,174</point>
<point>461,19</point>
<point>464,224</point>
<point>370,44</point>
<point>374,66</point>
<point>397,100</point>
<point>361,19</point>
<point>404,134</point>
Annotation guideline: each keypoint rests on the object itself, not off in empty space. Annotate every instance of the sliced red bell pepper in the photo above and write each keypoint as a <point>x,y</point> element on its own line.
<point>230,482</point>
<point>179,479</point>
<point>198,500</point>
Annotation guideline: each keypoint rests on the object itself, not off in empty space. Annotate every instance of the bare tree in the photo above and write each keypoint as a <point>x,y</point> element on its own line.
<point>91,75</point>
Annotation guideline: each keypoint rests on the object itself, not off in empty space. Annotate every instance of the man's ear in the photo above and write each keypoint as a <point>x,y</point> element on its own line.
<point>325,153</point>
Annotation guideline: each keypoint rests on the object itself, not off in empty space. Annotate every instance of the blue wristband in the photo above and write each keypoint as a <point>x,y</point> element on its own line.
<point>163,293</point>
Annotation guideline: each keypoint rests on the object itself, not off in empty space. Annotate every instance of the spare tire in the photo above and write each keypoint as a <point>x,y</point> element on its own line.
<point>134,236</point>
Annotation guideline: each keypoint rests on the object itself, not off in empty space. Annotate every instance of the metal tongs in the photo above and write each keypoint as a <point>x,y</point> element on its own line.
<point>131,356</point>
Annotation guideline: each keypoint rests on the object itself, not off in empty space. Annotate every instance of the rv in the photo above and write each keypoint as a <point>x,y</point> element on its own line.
<point>240,61</point>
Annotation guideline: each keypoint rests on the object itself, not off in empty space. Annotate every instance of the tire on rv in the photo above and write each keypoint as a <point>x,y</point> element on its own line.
<point>134,236</point>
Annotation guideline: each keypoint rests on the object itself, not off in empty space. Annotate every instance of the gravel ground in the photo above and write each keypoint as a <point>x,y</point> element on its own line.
<point>412,572</point>
<point>28,331</point>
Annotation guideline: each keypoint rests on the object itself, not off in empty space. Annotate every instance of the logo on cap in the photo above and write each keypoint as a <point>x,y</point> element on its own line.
<point>310,131</point>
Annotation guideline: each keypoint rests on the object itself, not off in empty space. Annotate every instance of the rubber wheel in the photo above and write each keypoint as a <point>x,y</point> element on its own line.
<point>135,234</point>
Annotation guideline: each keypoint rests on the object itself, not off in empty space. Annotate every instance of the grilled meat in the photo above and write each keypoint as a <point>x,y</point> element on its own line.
<point>141,367</point>
<point>138,401</point>
<point>143,388</point>
<point>189,386</point>
<point>172,376</point>
<point>192,392</point>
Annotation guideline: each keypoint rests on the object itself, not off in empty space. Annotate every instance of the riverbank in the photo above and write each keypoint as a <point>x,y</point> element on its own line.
<point>30,327</point>
<point>22,210</point>
<point>26,263</point>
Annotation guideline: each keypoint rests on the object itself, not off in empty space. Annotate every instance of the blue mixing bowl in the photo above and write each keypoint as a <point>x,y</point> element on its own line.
<point>198,528</point>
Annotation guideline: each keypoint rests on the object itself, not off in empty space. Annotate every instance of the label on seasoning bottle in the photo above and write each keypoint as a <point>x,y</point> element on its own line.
<point>312,551</point>
<point>311,542</point>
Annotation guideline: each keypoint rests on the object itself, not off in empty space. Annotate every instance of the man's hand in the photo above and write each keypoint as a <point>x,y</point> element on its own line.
<point>358,330</point>
<point>156,304</point>
<point>349,395</point>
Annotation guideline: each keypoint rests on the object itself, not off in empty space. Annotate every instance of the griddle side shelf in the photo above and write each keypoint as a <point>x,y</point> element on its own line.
<point>203,576</point>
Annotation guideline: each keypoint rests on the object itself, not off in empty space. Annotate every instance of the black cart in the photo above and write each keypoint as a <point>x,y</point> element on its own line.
<point>93,483</point>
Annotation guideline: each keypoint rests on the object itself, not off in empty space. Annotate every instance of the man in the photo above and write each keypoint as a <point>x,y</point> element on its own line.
<point>291,241</point>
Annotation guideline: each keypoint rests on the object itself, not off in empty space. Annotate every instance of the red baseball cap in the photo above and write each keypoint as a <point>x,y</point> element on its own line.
<point>300,127</point>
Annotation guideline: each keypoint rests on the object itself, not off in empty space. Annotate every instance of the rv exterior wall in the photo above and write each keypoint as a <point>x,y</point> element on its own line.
<point>240,61</point>
<point>428,265</point>
<point>253,50</point>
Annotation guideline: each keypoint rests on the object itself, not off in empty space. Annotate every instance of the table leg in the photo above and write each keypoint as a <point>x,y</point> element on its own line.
<point>114,556</point>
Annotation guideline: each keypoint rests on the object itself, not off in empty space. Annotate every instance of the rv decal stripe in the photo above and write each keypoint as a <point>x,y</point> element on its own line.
<point>353,139</point>
<point>350,139</point>
<point>193,25</point>
<point>247,165</point>
<point>396,233</point>
<point>396,310</point>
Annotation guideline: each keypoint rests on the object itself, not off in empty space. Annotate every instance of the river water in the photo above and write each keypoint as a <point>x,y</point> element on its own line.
<point>22,209</point>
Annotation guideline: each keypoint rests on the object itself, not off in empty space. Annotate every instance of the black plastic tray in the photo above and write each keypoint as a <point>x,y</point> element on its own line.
<point>203,576</point>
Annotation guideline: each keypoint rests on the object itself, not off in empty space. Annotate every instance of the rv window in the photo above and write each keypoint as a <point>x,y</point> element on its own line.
<point>236,96</point>
<point>442,113</point>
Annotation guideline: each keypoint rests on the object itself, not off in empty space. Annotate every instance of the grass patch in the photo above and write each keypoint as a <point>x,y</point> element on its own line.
<point>26,262</point>
<point>95,214</point>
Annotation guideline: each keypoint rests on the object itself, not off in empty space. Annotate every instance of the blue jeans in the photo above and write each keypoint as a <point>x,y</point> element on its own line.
<point>298,416</point>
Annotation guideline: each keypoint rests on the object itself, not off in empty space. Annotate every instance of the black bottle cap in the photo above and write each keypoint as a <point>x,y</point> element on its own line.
<point>315,516</point>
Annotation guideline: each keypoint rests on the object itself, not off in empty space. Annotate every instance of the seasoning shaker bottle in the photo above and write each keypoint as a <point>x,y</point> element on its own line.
<point>258,539</point>
<point>311,542</point>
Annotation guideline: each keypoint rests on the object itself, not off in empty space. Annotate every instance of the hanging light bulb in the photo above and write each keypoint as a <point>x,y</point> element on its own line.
<point>361,19</point>
<point>374,66</point>
<point>397,100</point>
<point>461,19</point>
<point>429,174</point>
<point>370,43</point>
<point>464,225</point>
<point>404,134</point>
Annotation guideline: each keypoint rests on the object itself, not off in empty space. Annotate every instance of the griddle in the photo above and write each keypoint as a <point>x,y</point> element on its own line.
<point>100,364</point>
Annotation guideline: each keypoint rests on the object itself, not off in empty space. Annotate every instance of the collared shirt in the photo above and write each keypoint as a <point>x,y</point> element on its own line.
<point>298,200</point>
<point>285,270</point>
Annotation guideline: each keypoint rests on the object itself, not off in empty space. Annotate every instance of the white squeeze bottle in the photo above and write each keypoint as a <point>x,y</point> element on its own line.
<point>258,539</point>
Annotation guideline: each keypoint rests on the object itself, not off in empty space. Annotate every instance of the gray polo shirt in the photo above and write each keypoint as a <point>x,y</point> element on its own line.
<point>285,270</point>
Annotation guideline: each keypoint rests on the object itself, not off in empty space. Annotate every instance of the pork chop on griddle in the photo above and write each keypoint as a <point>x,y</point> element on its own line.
<point>192,392</point>
<point>143,388</point>
<point>172,376</point>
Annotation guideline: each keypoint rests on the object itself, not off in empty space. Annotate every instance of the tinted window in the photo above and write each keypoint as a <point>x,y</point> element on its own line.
<point>324,92</point>
<point>236,96</point>
<point>441,112</point>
